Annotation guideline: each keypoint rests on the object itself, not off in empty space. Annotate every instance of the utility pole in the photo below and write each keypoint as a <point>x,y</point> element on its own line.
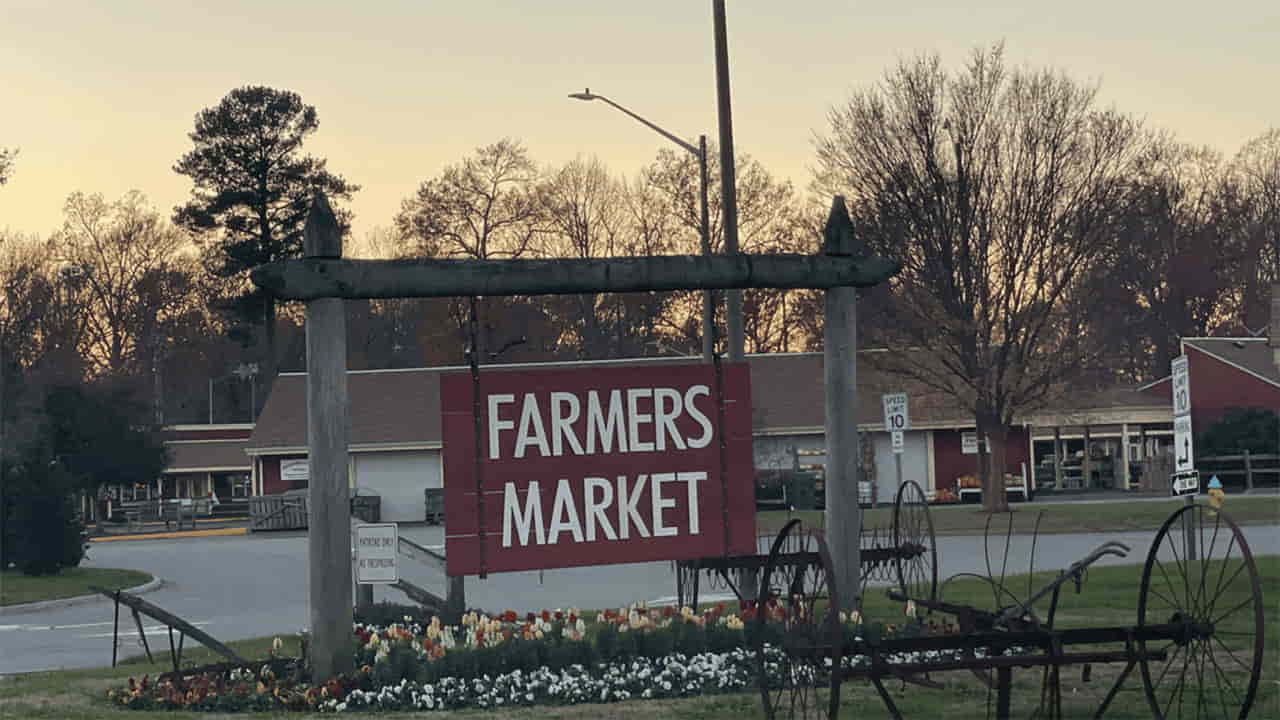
<point>728,181</point>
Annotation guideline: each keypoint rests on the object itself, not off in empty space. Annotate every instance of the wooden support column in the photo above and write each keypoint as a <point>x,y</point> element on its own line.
<point>843,515</point>
<point>455,599</point>
<point>1143,454</point>
<point>329,532</point>
<point>1086,462</point>
<point>1124,456</point>
<point>1057,456</point>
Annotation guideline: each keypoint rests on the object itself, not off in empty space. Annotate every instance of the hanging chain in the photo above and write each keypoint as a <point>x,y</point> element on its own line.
<point>473,358</point>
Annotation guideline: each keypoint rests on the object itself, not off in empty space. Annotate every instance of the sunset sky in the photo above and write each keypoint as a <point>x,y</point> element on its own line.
<point>100,96</point>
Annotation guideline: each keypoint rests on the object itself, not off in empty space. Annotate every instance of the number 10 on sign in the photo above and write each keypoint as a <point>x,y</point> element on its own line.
<point>896,417</point>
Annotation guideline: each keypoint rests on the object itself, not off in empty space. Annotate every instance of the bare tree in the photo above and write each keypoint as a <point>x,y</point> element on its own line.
<point>6,163</point>
<point>43,317</point>
<point>1255,190</point>
<point>587,219</point>
<point>1171,271</point>
<point>995,188</point>
<point>769,220</point>
<point>25,292</point>
<point>137,271</point>
<point>488,206</point>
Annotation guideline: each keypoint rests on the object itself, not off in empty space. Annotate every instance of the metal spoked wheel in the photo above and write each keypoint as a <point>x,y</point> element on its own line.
<point>797,615</point>
<point>1201,575</point>
<point>916,558</point>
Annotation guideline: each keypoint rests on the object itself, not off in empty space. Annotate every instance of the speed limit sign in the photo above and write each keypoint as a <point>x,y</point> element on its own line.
<point>896,417</point>
<point>1181,386</point>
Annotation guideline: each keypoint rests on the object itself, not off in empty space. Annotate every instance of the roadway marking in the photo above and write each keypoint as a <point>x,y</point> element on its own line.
<point>29,628</point>
<point>130,632</point>
<point>713,598</point>
<point>150,630</point>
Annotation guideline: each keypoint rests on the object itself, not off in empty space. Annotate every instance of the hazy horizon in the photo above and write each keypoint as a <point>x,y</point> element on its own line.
<point>101,98</point>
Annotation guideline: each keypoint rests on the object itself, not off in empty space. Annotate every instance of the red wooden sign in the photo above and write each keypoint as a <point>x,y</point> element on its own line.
<point>596,466</point>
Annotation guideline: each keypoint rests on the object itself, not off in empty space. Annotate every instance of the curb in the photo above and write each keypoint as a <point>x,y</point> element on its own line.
<point>215,532</point>
<point>155,584</point>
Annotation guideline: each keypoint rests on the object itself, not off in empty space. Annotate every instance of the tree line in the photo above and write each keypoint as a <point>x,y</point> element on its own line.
<point>1046,242</point>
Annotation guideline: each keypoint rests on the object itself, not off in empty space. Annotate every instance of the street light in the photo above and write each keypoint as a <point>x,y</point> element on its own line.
<point>700,152</point>
<point>243,371</point>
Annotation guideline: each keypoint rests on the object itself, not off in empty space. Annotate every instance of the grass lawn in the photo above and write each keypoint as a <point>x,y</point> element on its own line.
<point>1109,597</point>
<point>16,588</point>
<point>1119,516</point>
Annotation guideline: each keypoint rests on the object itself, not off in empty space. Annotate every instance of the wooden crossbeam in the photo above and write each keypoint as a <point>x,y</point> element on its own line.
<point>313,278</point>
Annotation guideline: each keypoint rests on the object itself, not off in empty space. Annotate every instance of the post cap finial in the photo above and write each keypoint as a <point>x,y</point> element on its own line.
<point>321,237</point>
<point>837,236</point>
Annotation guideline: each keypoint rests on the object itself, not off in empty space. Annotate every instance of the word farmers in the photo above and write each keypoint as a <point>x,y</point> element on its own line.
<point>646,419</point>
<point>602,503</point>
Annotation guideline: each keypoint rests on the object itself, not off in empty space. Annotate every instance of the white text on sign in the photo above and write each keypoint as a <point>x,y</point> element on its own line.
<point>602,499</point>
<point>619,423</point>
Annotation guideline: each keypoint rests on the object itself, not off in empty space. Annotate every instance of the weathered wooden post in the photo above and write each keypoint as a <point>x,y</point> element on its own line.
<point>1248,472</point>
<point>840,345</point>
<point>329,527</point>
<point>455,599</point>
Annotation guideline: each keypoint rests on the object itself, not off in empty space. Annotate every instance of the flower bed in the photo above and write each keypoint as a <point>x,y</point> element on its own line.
<point>548,658</point>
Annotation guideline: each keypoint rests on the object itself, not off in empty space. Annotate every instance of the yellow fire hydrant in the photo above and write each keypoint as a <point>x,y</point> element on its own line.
<point>1216,496</point>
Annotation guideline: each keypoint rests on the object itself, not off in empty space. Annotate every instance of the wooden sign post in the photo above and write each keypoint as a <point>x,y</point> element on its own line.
<point>843,514</point>
<point>329,529</point>
<point>323,279</point>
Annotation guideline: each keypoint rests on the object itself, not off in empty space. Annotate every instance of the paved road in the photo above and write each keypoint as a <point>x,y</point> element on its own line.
<point>238,587</point>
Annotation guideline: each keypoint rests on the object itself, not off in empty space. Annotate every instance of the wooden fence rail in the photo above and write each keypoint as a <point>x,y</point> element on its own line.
<point>1253,468</point>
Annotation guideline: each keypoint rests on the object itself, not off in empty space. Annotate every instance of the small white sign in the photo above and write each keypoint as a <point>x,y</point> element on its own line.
<point>1181,386</point>
<point>1183,455</point>
<point>1187,483</point>
<point>969,442</point>
<point>376,547</point>
<point>295,470</point>
<point>896,416</point>
<point>897,441</point>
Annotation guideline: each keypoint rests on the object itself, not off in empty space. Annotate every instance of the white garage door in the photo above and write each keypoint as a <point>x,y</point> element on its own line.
<point>399,479</point>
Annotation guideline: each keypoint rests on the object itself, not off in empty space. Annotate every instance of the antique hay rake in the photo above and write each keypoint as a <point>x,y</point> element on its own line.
<point>903,553</point>
<point>1197,640</point>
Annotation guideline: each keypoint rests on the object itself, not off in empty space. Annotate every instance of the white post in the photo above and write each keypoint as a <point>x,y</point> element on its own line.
<point>329,525</point>
<point>843,513</point>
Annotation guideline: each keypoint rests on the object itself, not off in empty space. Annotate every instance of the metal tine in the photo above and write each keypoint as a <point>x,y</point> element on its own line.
<point>1110,547</point>
<point>1008,540</point>
<point>1035,537</point>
